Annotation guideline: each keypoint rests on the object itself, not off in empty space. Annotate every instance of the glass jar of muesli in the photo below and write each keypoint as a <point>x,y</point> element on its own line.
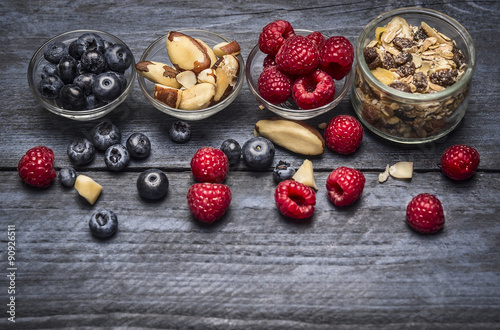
<point>413,73</point>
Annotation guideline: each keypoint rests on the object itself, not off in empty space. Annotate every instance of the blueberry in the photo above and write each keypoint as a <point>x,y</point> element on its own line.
<point>117,157</point>
<point>49,69</point>
<point>85,81</point>
<point>152,184</point>
<point>107,44</point>
<point>180,132</point>
<point>232,149</point>
<point>106,87</point>
<point>92,103</point>
<point>93,61</point>
<point>67,176</point>
<point>84,43</point>
<point>283,171</point>
<point>119,57</point>
<point>103,223</point>
<point>81,151</point>
<point>258,152</point>
<point>50,87</point>
<point>72,97</point>
<point>138,145</point>
<point>105,134</point>
<point>67,68</point>
<point>54,51</point>
<point>122,79</point>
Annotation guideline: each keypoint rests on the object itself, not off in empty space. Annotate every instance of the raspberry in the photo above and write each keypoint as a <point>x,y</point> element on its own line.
<point>343,134</point>
<point>460,162</point>
<point>269,61</point>
<point>345,185</point>
<point>294,199</point>
<point>336,57</point>
<point>313,90</point>
<point>209,165</point>
<point>274,86</point>
<point>317,38</point>
<point>273,36</point>
<point>298,55</point>
<point>35,167</point>
<point>208,201</point>
<point>425,214</point>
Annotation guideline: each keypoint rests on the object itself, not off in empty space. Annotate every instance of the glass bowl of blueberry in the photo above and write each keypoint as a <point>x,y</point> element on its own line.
<point>82,74</point>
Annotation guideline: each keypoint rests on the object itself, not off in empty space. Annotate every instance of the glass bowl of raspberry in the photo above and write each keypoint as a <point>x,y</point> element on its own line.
<point>288,107</point>
<point>82,74</point>
<point>413,75</point>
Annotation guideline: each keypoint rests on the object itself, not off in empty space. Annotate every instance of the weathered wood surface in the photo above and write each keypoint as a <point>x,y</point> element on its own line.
<point>352,268</point>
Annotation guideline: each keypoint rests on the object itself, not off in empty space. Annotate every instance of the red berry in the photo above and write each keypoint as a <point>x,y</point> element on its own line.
<point>273,36</point>
<point>35,167</point>
<point>317,38</point>
<point>298,55</point>
<point>345,185</point>
<point>208,201</point>
<point>274,86</point>
<point>344,134</point>
<point>336,57</point>
<point>209,165</point>
<point>460,162</point>
<point>294,199</point>
<point>313,90</point>
<point>425,214</point>
<point>269,60</point>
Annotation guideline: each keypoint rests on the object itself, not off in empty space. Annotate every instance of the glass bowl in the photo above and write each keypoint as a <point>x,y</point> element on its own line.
<point>34,77</point>
<point>413,118</point>
<point>157,51</point>
<point>289,109</point>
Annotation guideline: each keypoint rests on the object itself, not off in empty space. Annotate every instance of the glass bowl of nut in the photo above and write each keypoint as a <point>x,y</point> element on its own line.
<point>191,74</point>
<point>413,75</point>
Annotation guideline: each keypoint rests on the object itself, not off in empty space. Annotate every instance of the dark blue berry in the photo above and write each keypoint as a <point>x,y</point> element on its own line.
<point>103,223</point>
<point>152,184</point>
<point>118,57</point>
<point>138,145</point>
<point>93,61</point>
<point>232,149</point>
<point>85,81</point>
<point>72,97</point>
<point>50,87</point>
<point>67,68</point>
<point>107,44</point>
<point>106,87</point>
<point>105,134</point>
<point>81,151</point>
<point>283,171</point>
<point>180,132</point>
<point>54,51</point>
<point>258,152</point>
<point>67,176</point>
<point>117,157</point>
<point>84,43</point>
<point>92,103</point>
<point>49,69</point>
<point>122,79</point>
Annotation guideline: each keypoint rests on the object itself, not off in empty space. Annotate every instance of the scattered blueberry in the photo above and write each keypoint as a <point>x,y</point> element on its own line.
<point>49,69</point>
<point>105,134</point>
<point>138,145</point>
<point>93,61</point>
<point>106,87</point>
<point>103,223</point>
<point>54,51</point>
<point>283,171</point>
<point>81,151</point>
<point>232,149</point>
<point>180,132</point>
<point>67,69</point>
<point>258,152</point>
<point>152,184</point>
<point>117,157</point>
<point>72,97</point>
<point>85,81</point>
<point>67,176</point>
<point>119,57</point>
<point>50,87</point>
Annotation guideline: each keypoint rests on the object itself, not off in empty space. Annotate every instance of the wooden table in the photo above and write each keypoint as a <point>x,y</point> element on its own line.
<point>351,268</point>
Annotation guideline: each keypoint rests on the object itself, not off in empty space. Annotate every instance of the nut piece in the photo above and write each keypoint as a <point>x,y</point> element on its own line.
<point>168,95</point>
<point>210,52</point>
<point>382,177</point>
<point>402,170</point>
<point>226,71</point>
<point>186,53</point>
<point>158,73</point>
<point>293,135</point>
<point>207,76</point>
<point>227,48</point>
<point>88,188</point>
<point>187,79</point>
<point>305,175</point>
<point>198,97</point>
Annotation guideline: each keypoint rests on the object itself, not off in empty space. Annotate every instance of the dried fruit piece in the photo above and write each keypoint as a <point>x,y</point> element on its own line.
<point>385,76</point>
<point>401,170</point>
<point>88,188</point>
<point>305,174</point>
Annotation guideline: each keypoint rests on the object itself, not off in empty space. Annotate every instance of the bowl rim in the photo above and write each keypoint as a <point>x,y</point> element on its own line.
<point>108,107</point>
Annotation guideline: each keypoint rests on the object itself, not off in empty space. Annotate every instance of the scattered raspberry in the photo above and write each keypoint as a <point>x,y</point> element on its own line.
<point>294,199</point>
<point>35,167</point>
<point>425,214</point>
<point>209,165</point>
<point>274,86</point>
<point>344,134</point>
<point>345,185</point>
<point>208,201</point>
<point>273,36</point>
<point>336,57</point>
<point>460,162</point>
<point>317,38</point>
<point>269,61</point>
<point>313,90</point>
<point>298,55</point>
